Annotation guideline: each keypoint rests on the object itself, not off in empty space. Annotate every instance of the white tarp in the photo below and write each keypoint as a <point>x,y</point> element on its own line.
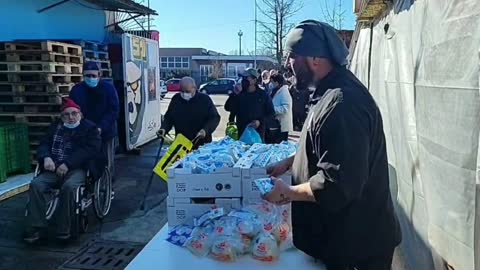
<point>425,79</point>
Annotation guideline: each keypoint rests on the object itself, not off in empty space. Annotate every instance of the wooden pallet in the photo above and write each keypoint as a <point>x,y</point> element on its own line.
<point>6,56</point>
<point>92,46</point>
<point>40,67</point>
<point>36,122</point>
<point>29,108</point>
<point>32,88</point>
<point>43,46</point>
<point>27,78</point>
<point>106,73</point>
<point>31,99</point>
<point>95,55</point>
<point>103,64</point>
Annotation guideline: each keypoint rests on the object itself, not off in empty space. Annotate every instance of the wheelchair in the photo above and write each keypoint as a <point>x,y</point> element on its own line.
<point>96,192</point>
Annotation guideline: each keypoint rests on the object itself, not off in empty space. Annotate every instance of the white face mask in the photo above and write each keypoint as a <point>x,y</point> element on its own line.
<point>186,96</point>
<point>74,125</point>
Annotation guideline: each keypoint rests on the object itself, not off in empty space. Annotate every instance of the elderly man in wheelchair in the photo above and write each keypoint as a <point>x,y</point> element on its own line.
<point>68,157</point>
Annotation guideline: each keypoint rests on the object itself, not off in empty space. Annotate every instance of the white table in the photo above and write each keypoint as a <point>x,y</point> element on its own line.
<point>160,254</point>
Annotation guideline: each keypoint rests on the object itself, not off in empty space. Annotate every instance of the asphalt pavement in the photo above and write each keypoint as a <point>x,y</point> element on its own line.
<point>125,221</point>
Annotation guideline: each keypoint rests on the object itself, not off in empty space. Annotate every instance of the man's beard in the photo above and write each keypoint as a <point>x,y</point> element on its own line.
<point>304,78</point>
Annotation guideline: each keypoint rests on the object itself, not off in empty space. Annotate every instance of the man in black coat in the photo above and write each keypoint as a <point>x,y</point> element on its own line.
<point>191,113</point>
<point>342,209</point>
<point>63,155</point>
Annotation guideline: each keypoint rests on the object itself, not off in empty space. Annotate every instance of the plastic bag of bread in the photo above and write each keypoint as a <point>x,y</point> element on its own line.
<point>265,248</point>
<point>200,241</point>
<point>283,235</point>
<point>226,248</point>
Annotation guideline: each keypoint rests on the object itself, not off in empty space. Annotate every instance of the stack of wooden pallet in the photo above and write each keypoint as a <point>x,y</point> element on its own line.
<point>34,76</point>
<point>97,53</point>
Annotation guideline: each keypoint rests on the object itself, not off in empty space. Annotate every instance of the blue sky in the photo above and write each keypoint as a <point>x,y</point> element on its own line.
<point>214,24</point>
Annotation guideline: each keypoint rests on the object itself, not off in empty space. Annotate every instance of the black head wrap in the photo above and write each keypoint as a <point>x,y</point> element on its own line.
<point>316,39</point>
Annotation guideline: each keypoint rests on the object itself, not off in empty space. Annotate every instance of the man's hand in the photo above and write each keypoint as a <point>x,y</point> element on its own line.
<point>254,124</point>
<point>99,131</point>
<point>281,167</point>
<point>201,134</point>
<point>280,194</point>
<point>48,164</point>
<point>62,170</point>
<point>161,133</point>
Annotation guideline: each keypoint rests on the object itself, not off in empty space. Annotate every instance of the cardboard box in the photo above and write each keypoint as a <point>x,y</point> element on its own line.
<point>249,188</point>
<point>223,183</point>
<point>184,210</point>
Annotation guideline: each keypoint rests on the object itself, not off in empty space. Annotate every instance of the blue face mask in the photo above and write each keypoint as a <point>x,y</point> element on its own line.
<point>74,125</point>
<point>92,82</point>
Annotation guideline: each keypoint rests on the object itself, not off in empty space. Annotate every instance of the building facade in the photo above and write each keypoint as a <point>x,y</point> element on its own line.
<point>204,65</point>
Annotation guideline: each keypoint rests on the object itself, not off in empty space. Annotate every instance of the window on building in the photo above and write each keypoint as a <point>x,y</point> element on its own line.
<point>205,72</point>
<point>233,69</point>
<point>175,62</point>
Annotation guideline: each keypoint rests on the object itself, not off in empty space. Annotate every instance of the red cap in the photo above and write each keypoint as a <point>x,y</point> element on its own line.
<point>68,103</point>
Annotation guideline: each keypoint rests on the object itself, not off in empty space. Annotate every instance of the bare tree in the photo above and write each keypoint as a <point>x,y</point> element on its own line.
<point>334,14</point>
<point>276,24</point>
<point>218,69</point>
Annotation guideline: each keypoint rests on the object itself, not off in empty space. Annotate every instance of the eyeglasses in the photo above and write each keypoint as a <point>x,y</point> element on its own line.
<point>134,85</point>
<point>72,114</point>
<point>90,76</point>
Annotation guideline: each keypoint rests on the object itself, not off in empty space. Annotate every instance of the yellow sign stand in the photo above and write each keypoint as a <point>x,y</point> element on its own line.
<point>180,147</point>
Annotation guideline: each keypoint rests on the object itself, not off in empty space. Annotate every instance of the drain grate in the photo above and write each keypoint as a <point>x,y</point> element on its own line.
<point>103,255</point>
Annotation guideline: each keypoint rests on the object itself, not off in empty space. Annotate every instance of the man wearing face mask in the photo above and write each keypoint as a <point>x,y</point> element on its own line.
<point>99,102</point>
<point>252,106</point>
<point>191,113</point>
<point>342,210</point>
<point>63,156</point>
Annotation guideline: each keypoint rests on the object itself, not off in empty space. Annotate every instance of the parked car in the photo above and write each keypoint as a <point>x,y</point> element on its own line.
<point>219,86</point>
<point>173,85</point>
<point>163,89</point>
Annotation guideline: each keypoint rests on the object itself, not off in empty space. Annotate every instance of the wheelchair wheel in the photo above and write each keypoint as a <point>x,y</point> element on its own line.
<point>102,196</point>
<point>51,205</point>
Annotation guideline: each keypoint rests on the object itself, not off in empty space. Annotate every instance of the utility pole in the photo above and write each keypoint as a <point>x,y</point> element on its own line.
<point>255,52</point>
<point>240,34</point>
<point>148,18</point>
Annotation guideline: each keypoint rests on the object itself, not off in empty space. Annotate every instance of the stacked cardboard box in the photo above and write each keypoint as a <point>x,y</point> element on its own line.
<point>190,195</point>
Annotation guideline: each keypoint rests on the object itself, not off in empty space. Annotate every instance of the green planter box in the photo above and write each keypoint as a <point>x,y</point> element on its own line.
<point>14,150</point>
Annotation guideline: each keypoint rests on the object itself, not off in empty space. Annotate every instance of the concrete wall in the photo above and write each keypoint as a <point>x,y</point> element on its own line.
<point>21,21</point>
